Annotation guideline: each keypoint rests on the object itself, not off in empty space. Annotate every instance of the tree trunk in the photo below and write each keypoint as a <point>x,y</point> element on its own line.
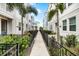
<point>58,34</point>
<point>22,26</point>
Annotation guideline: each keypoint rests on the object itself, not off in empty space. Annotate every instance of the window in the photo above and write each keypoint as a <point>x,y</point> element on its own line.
<point>69,4</point>
<point>19,25</point>
<point>50,27</point>
<point>64,5</point>
<point>29,20</point>
<point>8,9</point>
<point>26,26</point>
<point>72,24</point>
<point>3,6</point>
<point>64,25</point>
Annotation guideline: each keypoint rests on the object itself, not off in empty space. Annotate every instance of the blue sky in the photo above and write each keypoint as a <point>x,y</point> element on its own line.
<point>42,8</point>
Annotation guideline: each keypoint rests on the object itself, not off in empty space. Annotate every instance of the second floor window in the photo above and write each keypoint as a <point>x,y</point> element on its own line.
<point>64,25</point>
<point>7,9</point>
<point>50,27</point>
<point>69,4</point>
<point>72,24</point>
<point>19,26</point>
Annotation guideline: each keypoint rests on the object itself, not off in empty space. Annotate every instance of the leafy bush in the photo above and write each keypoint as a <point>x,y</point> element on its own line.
<point>54,47</point>
<point>24,43</point>
<point>49,32</point>
<point>54,51</point>
<point>6,39</point>
<point>13,39</point>
<point>27,33</point>
<point>71,40</point>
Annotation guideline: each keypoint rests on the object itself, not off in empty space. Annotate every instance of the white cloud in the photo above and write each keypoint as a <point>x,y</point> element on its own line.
<point>39,11</point>
<point>39,23</point>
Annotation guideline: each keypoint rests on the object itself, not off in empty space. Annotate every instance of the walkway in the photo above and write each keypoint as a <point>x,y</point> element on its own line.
<point>39,47</point>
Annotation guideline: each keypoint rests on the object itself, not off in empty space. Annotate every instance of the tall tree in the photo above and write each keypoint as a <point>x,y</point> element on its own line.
<point>23,10</point>
<point>59,7</point>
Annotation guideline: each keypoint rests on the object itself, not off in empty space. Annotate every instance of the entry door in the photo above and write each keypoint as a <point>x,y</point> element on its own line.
<point>3,27</point>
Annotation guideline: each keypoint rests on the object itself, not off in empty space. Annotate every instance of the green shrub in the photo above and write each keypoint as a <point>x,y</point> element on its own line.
<point>61,40</point>
<point>71,40</point>
<point>49,32</point>
<point>6,39</point>
<point>13,39</point>
<point>54,51</point>
<point>24,43</point>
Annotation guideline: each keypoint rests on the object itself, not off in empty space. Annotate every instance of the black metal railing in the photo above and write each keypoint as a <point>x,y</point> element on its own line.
<point>34,33</point>
<point>55,48</point>
<point>9,49</point>
<point>62,51</point>
<point>45,37</point>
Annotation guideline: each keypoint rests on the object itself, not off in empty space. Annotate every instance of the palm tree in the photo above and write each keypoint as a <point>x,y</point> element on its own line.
<point>59,7</point>
<point>22,10</point>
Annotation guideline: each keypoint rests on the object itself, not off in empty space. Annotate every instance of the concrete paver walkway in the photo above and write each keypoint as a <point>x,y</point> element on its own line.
<point>39,47</point>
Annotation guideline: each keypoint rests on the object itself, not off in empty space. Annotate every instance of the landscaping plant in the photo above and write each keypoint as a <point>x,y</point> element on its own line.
<point>71,40</point>
<point>23,42</point>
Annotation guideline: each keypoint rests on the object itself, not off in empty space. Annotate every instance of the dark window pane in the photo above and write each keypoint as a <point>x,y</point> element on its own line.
<point>64,27</point>
<point>72,22</point>
<point>72,27</point>
<point>19,28</point>
<point>69,4</point>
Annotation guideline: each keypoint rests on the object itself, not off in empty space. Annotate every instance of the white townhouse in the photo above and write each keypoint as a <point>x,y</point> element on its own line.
<point>10,21</point>
<point>68,20</point>
<point>45,22</point>
<point>52,23</point>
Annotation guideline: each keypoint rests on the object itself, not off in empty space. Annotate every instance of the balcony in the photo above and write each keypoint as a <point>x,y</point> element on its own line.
<point>5,13</point>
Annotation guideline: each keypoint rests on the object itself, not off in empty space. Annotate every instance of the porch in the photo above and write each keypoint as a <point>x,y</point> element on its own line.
<point>5,25</point>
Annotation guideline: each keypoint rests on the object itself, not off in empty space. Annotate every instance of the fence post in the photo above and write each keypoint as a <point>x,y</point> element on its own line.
<point>6,48</point>
<point>2,50</point>
<point>17,49</point>
<point>65,52</point>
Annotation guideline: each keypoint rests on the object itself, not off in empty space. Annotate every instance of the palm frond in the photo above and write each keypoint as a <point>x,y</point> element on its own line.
<point>10,6</point>
<point>22,9</point>
<point>51,14</point>
<point>31,9</point>
<point>61,7</point>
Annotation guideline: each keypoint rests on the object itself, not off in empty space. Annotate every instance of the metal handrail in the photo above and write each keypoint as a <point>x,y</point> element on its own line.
<point>9,50</point>
<point>67,49</point>
<point>61,46</point>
